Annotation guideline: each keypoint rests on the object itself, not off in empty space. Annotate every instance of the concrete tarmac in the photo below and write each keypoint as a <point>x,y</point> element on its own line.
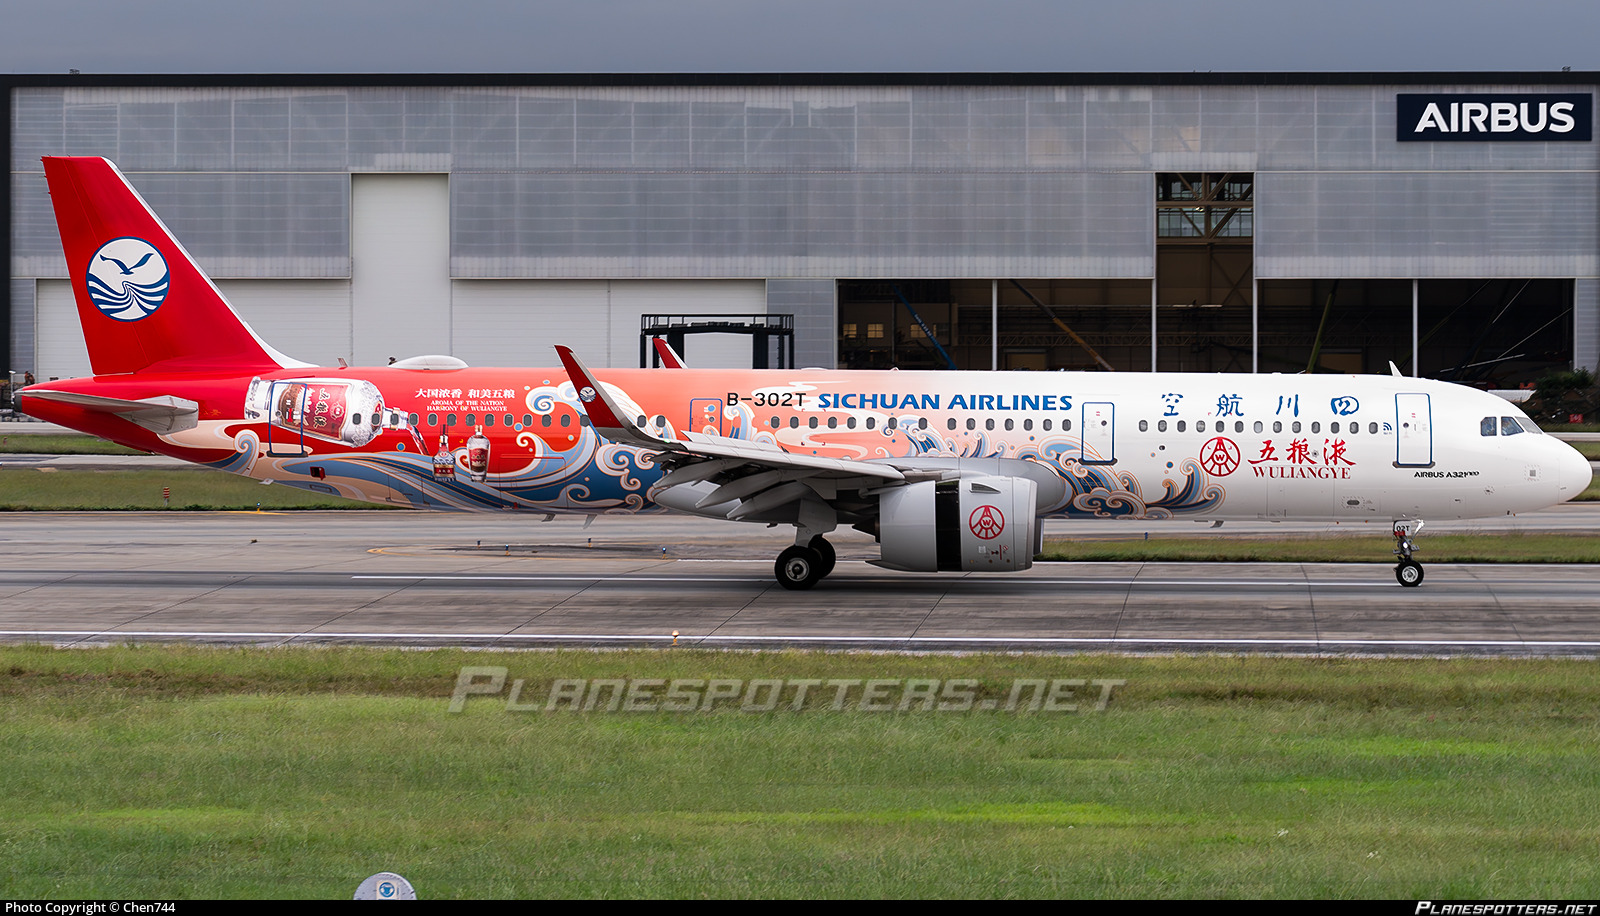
<point>424,579</point>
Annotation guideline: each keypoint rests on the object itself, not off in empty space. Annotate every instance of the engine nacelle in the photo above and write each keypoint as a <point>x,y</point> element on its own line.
<point>973,524</point>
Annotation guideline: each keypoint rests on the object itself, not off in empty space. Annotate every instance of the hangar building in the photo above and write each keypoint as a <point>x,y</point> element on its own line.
<point>1449,223</point>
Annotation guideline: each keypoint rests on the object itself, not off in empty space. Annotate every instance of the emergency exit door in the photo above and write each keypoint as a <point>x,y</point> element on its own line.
<point>1413,431</point>
<point>1098,433</point>
<point>705,415</point>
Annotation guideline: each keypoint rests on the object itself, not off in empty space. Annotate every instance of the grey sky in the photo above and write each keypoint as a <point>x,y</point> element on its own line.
<point>409,36</point>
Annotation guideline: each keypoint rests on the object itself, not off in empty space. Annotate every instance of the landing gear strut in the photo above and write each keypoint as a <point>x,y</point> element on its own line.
<point>802,566</point>
<point>1407,572</point>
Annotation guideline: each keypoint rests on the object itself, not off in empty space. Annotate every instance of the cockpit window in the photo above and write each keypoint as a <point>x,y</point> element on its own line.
<point>1487,426</point>
<point>1510,426</point>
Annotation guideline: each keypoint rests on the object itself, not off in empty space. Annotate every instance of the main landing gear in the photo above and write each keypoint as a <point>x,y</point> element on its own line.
<point>1407,572</point>
<point>803,565</point>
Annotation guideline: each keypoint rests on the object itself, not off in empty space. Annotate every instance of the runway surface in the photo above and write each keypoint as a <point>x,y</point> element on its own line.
<point>421,579</point>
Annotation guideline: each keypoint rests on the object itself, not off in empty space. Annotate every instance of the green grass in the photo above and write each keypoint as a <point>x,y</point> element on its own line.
<point>23,489</point>
<point>1570,427</point>
<point>1589,450</point>
<point>1432,548</point>
<point>139,772</point>
<point>60,444</point>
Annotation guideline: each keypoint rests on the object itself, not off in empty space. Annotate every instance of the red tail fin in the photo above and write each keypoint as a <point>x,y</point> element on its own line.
<point>142,300</point>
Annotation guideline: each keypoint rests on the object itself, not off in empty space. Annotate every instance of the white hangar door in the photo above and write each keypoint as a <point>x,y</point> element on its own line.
<point>59,351</point>
<point>518,322</point>
<point>305,319</point>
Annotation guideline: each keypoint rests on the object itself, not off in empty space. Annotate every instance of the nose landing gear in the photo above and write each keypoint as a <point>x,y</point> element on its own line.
<point>1407,572</point>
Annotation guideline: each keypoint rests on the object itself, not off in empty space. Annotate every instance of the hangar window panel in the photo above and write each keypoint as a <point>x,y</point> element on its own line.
<point>1344,127</point>
<point>830,138</point>
<point>939,132</point>
<point>1228,119</point>
<point>604,134</point>
<point>1117,129</point>
<point>90,129</point>
<point>999,133</point>
<point>245,224</point>
<point>427,124</point>
<point>1438,224</point>
<point>606,221</point>
<point>1286,136</point>
<point>261,133</point>
<point>483,131</point>
<point>767,137</point>
<point>318,137</point>
<point>883,135</point>
<point>546,133</point>
<point>774,217</point>
<point>204,134</point>
<point>665,208</point>
<point>717,135</point>
<point>147,130</point>
<point>375,121</point>
<point>35,243</point>
<point>1175,121</point>
<point>661,135</point>
<point>38,125</point>
<point>543,210</point>
<point>1055,133</point>
<point>484,215</point>
<point>717,221</point>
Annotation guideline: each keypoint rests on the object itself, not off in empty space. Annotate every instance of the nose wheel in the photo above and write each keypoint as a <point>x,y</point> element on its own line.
<point>1407,572</point>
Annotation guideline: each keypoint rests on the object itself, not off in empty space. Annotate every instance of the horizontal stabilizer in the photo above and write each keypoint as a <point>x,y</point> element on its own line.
<point>162,414</point>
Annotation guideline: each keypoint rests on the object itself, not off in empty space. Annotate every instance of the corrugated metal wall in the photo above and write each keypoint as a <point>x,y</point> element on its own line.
<point>813,183</point>
<point>518,322</point>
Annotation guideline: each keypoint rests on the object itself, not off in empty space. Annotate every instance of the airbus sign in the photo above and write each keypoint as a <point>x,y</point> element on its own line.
<point>1480,117</point>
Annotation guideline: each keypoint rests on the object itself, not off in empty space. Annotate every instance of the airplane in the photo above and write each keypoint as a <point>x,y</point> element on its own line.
<point>948,471</point>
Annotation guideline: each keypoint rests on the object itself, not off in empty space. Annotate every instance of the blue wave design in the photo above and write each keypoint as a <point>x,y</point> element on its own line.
<point>145,298</point>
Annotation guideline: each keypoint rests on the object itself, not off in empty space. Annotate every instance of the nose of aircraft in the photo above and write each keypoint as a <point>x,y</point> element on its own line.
<point>1575,472</point>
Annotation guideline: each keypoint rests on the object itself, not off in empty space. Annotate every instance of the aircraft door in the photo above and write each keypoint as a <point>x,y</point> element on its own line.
<point>286,436</point>
<point>705,415</point>
<point>1413,431</point>
<point>1098,433</point>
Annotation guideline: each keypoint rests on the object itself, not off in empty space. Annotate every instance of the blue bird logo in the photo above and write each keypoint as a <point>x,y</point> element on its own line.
<point>126,270</point>
<point>127,279</point>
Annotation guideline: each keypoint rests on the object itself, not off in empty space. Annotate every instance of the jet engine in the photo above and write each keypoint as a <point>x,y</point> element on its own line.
<point>970,524</point>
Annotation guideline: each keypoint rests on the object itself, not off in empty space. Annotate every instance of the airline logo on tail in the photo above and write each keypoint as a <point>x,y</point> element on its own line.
<point>128,279</point>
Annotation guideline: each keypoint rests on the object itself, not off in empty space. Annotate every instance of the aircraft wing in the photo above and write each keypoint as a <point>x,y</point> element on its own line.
<point>164,414</point>
<point>614,423</point>
<point>732,478</point>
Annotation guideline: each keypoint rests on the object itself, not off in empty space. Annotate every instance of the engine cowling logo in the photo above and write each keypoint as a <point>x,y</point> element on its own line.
<point>986,522</point>
<point>1219,457</point>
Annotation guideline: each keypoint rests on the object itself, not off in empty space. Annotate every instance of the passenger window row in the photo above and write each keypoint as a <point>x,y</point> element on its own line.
<point>489,419</point>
